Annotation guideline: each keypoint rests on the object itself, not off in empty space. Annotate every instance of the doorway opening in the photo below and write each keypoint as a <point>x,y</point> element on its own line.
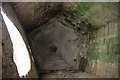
<point>20,53</point>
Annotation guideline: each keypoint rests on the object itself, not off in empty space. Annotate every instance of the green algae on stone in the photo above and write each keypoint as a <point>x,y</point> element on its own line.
<point>110,55</point>
<point>73,26</point>
<point>81,8</point>
<point>93,53</point>
<point>77,13</point>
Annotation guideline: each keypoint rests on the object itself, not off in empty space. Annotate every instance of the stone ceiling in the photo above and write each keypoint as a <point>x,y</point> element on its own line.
<point>34,14</point>
<point>82,17</point>
<point>89,16</point>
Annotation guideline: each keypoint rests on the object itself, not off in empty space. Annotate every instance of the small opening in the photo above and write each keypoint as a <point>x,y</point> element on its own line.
<point>53,49</point>
<point>74,59</point>
<point>20,53</point>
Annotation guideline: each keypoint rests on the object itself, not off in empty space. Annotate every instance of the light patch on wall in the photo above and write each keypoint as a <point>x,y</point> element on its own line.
<point>20,53</point>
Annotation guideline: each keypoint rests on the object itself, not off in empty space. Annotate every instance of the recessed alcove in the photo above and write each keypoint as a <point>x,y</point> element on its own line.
<point>54,46</point>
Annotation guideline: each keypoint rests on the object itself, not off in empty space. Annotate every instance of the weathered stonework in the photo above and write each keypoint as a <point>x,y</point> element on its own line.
<point>88,30</point>
<point>54,44</point>
<point>102,51</point>
<point>99,32</point>
<point>9,69</point>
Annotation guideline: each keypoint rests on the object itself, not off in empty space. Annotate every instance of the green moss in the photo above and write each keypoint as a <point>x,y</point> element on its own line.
<point>113,50</point>
<point>77,13</point>
<point>93,53</point>
<point>108,54</point>
<point>82,7</point>
<point>73,26</point>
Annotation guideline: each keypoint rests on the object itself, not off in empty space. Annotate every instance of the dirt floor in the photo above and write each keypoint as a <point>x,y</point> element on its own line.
<point>67,74</point>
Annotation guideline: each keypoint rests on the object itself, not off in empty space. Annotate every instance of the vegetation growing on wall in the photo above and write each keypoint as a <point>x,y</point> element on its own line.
<point>73,26</point>
<point>104,51</point>
<point>74,19</point>
<point>81,8</point>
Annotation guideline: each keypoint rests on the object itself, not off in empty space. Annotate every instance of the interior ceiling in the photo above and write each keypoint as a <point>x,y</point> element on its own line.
<point>86,16</point>
<point>35,14</point>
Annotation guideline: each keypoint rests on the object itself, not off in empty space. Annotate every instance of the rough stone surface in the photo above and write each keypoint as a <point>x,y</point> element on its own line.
<point>68,74</point>
<point>0,45</point>
<point>102,51</point>
<point>88,29</point>
<point>54,46</point>
<point>35,14</point>
<point>87,17</point>
<point>100,34</point>
<point>9,69</point>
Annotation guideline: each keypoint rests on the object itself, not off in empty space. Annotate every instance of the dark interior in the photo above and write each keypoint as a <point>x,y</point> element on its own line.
<point>64,39</point>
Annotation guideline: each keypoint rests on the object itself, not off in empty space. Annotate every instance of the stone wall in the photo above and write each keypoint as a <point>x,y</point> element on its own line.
<point>102,51</point>
<point>12,16</point>
<point>97,24</point>
<point>89,16</point>
<point>9,69</point>
<point>0,44</point>
<point>54,39</point>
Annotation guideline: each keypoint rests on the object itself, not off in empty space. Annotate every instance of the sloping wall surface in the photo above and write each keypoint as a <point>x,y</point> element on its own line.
<point>103,51</point>
<point>98,24</point>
